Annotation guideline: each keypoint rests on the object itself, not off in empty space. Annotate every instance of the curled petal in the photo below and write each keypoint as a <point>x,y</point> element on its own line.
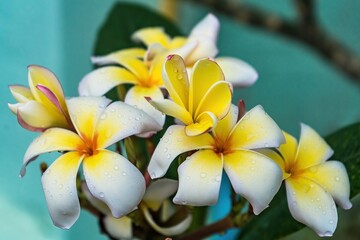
<point>255,130</point>
<point>102,80</point>
<point>120,120</point>
<point>14,107</point>
<point>151,35</point>
<point>53,139</point>
<point>253,176</point>
<point>199,179</point>
<point>205,122</point>
<point>167,231</point>
<point>115,181</point>
<point>225,125</point>
<point>173,143</point>
<point>59,185</point>
<point>312,149</point>
<point>238,72</point>
<point>158,192</point>
<point>119,228</point>
<point>136,96</point>
<point>333,178</point>
<point>311,205</point>
<point>21,94</point>
<point>99,205</point>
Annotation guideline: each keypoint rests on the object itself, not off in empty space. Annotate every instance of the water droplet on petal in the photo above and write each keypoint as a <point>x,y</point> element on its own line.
<point>337,178</point>
<point>187,177</point>
<point>170,132</point>
<point>165,150</point>
<point>168,156</point>
<point>183,202</point>
<point>152,175</point>
<point>60,186</point>
<point>112,110</point>
<point>331,221</point>
<point>116,167</point>
<point>203,175</point>
<point>218,178</point>
<point>166,140</point>
<point>123,173</point>
<point>137,118</point>
<point>103,116</point>
<point>294,203</point>
<point>180,76</point>
<point>101,194</point>
<point>176,70</point>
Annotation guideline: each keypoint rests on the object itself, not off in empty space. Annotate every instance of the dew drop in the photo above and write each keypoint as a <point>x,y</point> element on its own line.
<point>103,116</point>
<point>116,167</point>
<point>123,173</point>
<point>137,118</point>
<point>60,186</point>
<point>337,178</point>
<point>130,118</point>
<point>165,150</point>
<point>183,202</point>
<point>218,179</point>
<point>187,178</point>
<point>203,175</point>
<point>253,161</point>
<point>294,203</point>
<point>166,140</point>
<point>152,175</point>
<point>170,132</point>
<point>101,194</point>
<point>176,70</point>
<point>331,221</point>
<point>180,76</point>
<point>168,156</point>
<point>71,193</point>
<point>112,110</point>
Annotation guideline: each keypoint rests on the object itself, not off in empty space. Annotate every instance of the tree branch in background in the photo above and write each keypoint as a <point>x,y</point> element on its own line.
<point>305,30</point>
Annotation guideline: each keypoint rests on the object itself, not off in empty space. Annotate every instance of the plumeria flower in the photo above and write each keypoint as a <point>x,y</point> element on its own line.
<point>199,44</point>
<point>155,200</point>
<point>146,80</point>
<point>110,176</point>
<point>230,147</point>
<point>42,105</point>
<point>312,183</point>
<point>199,103</point>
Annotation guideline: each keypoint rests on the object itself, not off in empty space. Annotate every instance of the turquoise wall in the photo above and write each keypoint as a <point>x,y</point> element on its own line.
<point>295,85</point>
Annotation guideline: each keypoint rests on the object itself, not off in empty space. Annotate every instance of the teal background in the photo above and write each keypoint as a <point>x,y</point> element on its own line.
<point>295,85</point>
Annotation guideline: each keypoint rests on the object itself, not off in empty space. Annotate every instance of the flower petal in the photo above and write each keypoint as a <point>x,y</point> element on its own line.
<point>255,130</point>
<point>238,72</point>
<point>217,100</point>
<point>225,125</point>
<point>253,176</point>
<point>120,120</point>
<point>102,80</point>
<point>151,35</point>
<point>311,205</point>
<point>158,192</point>
<point>38,116</point>
<point>114,180</point>
<point>129,58</point>
<point>173,143</point>
<point>176,80</point>
<point>172,109</point>
<point>167,231</point>
<point>288,150</point>
<point>59,185</point>
<point>204,123</point>
<point>136,96</point>
<point>21,93</point>
<point>207,27</point>
<point>205,73</point>
<point>85,113</point>
<point>99,205</point>
<point>53,139</point>
<point>312,149</point>
<point>14,107</point>
<point>333,178</point>
<point>119,228</point>
<point>200,179</point>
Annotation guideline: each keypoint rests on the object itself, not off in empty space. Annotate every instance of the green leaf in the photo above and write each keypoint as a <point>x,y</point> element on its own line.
<point>123,20</point>
<point>276,221</point>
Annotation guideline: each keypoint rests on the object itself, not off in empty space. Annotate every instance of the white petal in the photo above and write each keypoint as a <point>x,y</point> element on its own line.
<point>238,72</point>
<point>253,176</point>
<point>99,205</point>
<point>207,27</point>
<point>114,180</point>
<point>158,192</point>
<point>311,205</point>
<point>173,143</point>
<point>120,228</point>
<point>59,185</point>
<point>200,179</point>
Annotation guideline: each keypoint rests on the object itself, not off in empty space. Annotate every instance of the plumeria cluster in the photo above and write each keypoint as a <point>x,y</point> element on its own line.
<point>179,78</point>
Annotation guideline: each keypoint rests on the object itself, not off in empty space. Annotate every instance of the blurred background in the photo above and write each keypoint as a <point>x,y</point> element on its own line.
<point>295,85</point>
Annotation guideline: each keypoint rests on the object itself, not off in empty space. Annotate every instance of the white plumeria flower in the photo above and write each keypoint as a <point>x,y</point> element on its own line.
<point>201,43</point>
<point>146,79</point>
<point>155,199</point>
<point>110,176</point>
<point>312,183</point>
<point>230,147</point>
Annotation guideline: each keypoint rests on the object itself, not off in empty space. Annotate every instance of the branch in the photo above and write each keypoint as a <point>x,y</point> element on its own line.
<point>305,31</point>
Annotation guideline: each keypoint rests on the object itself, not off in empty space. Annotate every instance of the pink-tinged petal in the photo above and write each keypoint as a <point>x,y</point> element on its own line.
<point>167,231</point>
<point>199,179</point>
<point>35,116</point>
<point>119,228</point>
<point>136,96</point>
<point>205,73</point>
<point>255,130</point>
<point>59,185</point>
<point>85,113</point>
<point>115,181</point>
<point>312,149</point>
<point>158,191</point>
<point>253,176</point>
<point>172,109</point>
<point>176,80</point>
<point>238,72</point>
<point>21,93</point>
<point>333,178</point>
<point>102,80</point>
<point>311,205</point>
<point>205,122</point>
<point>120,120</point>
<point>99,205</point>
<point>173,143</point>
<point>151,35</point>
<point>43,76</point>
<point>224,126</point>
<point>53,139</point>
